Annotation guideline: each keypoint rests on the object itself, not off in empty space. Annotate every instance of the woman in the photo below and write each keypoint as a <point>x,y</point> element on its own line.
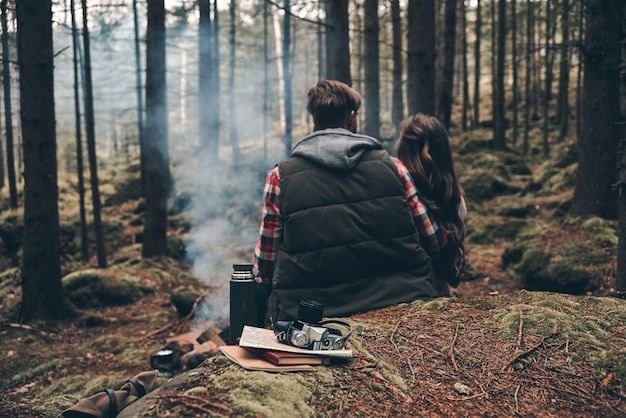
<point>424,148</point>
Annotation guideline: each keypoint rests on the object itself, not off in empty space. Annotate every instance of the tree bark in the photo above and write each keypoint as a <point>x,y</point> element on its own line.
<point>157,155</point>
<point>372,73</point>
<point>421,56</point>
<point>600,127</point>
<point>287,74</point>
<point>562,115</point>
<point>477,63</point>
<point>207,138</point>
<point>140,109</point>
<point>528,69</point>
<point>266,82</point>
<point>80,166</point>
<point>620,279</point>
<point>340,41</point>
<point>466,104</point>
<point>397,107</point>
<point>499,133</point>
<point>42,291</point>
<point>232,109</point>
<point>547,96</point>
<point>8,111</point>
<point>445,87</point>
<point>91,145</point>
<point>514,85</point>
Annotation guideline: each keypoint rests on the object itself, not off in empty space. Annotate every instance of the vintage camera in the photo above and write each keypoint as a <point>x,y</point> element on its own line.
<point>309,331</point>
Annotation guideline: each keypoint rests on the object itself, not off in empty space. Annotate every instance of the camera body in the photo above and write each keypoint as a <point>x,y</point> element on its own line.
<point>309,331</point>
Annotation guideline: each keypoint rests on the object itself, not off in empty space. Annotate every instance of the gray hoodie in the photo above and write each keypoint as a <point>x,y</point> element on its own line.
<point>335,148</point>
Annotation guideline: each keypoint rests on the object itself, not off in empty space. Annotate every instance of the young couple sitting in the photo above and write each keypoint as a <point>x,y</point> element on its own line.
<point>345,224</point>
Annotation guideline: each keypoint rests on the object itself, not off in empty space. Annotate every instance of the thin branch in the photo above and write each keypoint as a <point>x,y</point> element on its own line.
<point>456,333</point>
<point>528,352</point>
<point>393,332</point>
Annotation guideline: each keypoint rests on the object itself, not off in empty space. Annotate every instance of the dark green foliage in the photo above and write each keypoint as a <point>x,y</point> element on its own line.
<point>513,253</point>
<point>472,145</point>
<point>559,277</point>
<point>91,288</point>
<point>12,237</point>
<point>483,185</point>
<point>492,232</point>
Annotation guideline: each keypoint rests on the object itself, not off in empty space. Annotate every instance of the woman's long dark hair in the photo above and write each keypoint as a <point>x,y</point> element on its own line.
<point>424,148</point>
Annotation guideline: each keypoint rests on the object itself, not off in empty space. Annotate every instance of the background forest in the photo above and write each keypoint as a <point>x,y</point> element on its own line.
<point>137,136</point>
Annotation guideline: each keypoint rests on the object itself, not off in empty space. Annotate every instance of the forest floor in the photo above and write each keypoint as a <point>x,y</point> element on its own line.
<point>45,366</point>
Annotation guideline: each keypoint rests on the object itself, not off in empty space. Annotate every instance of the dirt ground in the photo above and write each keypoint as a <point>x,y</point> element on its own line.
<point>97,345</point>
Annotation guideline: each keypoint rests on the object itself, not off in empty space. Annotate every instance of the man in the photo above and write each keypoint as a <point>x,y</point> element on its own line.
<point>341,221</point>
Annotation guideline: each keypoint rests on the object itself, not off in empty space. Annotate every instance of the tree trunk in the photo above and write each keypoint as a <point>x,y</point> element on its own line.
<point>477,63</point>
<point>91,145</point>
<point>213,116</point>
<point>266,82</point>
<point>579,69</point>
<point>140,110</point>
<point>445,90</point>
<point>8,112</point>
<point>499,133</point>
<point>208,141</point>
<point>232,109</point>
<point>372,73</point>
<point>562,115</point>
<point>620,279</point>
<point>494,55</point>
<point>535,63</point>
<point>80,166</point>
<point>601,130</point>
<point>466,104</point>
<point>397,107</point>
<point>157,155</point>
<point>357,47</point>
<point>421,56</point>
<point>547,96</point>
<point>340,41</point>
<point>528,69</point>
<point>287,74</point>
<point>514,62</point>
<point>42,291</point>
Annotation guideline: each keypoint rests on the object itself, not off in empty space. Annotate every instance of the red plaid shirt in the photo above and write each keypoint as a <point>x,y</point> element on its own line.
<point>432,238</point>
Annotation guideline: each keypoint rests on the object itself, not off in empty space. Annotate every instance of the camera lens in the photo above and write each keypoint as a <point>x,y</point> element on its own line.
<point>310,311</point>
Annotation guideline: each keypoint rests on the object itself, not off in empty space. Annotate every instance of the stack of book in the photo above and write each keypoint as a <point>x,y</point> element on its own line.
<point>258,349</point>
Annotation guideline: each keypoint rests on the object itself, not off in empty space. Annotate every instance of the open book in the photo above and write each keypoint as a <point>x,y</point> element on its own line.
<point>254,337</point>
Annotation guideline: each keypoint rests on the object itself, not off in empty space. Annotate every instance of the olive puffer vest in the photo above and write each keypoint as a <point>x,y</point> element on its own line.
<point>349,240</point>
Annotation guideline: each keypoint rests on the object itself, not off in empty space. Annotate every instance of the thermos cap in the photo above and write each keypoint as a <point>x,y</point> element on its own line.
<point>243,267</point>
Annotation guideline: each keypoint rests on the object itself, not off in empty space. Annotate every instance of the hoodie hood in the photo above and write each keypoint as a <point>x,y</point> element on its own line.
<point>335,148</point>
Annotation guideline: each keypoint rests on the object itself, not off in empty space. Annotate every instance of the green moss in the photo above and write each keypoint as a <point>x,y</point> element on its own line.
<point>88,288</point>
<point>583,331</point>
<point>612,361</point>
<point>555,179</point>
<point>108,344</point>
<point>600,231</point>
<point>482,185</point>
<point>582,254</point>
<point>490,162</point>
<point>435,304</point>
<point>267,394</point>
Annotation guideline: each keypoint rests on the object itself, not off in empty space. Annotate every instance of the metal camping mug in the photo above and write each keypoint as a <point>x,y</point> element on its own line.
<point>243,301</point>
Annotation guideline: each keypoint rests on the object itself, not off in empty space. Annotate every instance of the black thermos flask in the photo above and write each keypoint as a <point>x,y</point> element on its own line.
<point>243,301</point>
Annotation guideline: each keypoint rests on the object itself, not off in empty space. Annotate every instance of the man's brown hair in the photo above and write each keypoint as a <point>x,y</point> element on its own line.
<point>330,102</point>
